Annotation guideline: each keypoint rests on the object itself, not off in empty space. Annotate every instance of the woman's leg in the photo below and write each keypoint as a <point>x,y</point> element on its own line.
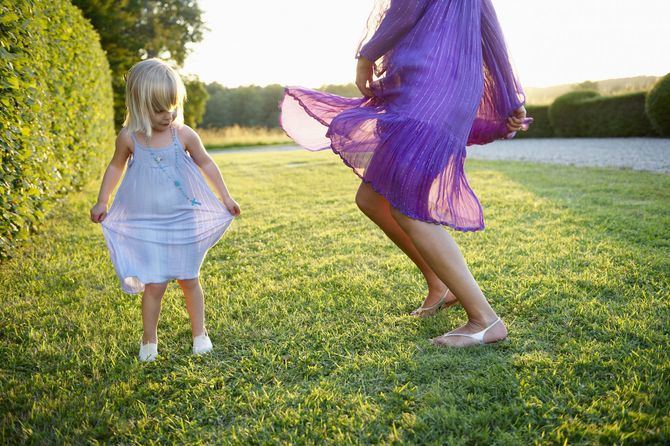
<point>151,310</point>
<point>377,209</point>
<point>441,253</point>
<point>195,304</point>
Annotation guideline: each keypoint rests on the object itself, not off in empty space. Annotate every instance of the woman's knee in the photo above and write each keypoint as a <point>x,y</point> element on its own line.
<point>368,201</point>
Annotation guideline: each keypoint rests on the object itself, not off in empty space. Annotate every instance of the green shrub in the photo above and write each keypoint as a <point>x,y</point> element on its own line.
<point>56,121</point>
<point>562,113</point>
<point>658,106</point>
<point>587,114</point>
<point>541,126</point>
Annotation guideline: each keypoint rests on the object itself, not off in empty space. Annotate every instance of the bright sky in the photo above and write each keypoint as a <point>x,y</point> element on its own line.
<point>313,42</point>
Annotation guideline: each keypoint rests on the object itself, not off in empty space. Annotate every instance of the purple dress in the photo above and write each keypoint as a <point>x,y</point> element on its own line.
<point>447,83</point>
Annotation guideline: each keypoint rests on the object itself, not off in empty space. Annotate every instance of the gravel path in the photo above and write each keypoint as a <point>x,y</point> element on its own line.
<point>652,154</point>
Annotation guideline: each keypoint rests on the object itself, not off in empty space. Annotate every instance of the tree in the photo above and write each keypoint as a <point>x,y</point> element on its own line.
<point>197,97</point>
<point>132,30</point>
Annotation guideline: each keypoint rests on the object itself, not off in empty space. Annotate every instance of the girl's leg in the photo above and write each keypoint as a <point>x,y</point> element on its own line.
<point>441,253</point>
<point>377,209</point>
<point>195,304</point>
<point>151,310</point>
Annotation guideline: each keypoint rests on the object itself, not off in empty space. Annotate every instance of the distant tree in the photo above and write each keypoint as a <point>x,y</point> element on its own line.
<point>197,97</point>
<point>131,30</point>
<point>348,90</point>
<point>586,86</point>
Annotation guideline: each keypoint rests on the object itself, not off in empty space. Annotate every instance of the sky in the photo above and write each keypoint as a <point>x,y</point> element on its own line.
<point>313,42</point>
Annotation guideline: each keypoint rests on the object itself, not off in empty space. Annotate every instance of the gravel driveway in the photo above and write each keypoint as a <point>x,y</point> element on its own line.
<point>652,154</point>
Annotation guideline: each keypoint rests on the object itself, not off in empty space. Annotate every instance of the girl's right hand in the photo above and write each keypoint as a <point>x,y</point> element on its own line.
<point>98,212</point>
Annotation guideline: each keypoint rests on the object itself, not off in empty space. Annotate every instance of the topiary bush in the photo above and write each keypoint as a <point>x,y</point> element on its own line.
<point>56,119</point>
<point>563,113</point>
<point>658,106</point>
<point>541,126</point>
<point>587,114</point>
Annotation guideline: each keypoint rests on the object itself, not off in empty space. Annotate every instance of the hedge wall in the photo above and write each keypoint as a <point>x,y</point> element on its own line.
<point>56,119</point>
<point>658,106</point>
<point>586,114</point>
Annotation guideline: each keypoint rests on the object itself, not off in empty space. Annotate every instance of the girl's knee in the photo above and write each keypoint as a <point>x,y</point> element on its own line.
<point>155,289</point>
<point>188,283</point>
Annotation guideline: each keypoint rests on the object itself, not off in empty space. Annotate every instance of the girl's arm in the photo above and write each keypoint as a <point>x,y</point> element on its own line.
<point>399,19</point>
<point>112,176</point>
<point>197,151</point>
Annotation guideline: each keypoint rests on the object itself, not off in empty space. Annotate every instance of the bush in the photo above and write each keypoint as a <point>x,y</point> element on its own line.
<point>56,119</point>
<point>541,126</point>
<point>658,106</point>
<point>586,114</point>
<point>562,113</point>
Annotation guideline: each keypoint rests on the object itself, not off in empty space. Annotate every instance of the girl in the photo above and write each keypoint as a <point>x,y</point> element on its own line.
<point>164,217</point>
<point>447,82</point>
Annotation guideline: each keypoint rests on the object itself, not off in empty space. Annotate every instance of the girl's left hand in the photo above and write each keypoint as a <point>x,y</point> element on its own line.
<point>232,206</point>
<point>516,121</point>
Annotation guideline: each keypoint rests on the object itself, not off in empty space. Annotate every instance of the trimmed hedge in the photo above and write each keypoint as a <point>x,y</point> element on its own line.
<point>587,114</point>
<point>56,119</point>
<point>658,106</point>
<point>541,126</point>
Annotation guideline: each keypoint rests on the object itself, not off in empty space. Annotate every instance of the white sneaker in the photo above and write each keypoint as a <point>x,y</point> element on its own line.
<point>201,345</point>
<point>148,352</point>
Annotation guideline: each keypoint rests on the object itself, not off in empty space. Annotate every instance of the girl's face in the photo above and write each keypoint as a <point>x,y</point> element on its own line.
<point>161,120</point>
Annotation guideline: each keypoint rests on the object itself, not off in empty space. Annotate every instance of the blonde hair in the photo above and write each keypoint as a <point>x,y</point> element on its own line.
<point>152,86</point>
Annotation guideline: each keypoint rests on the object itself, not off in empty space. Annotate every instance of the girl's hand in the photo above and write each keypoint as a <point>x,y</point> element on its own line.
<point>232,206</point>
<point>98,212</point>
<point>516,121</point>
<point>364,76</point>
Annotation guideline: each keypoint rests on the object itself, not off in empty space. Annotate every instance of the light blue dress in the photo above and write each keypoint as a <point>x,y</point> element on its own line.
<point>163,219</point>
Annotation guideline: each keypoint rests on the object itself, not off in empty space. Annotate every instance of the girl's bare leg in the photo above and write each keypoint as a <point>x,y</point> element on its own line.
<point>195,304</point>
<point>377,209</point>
<point>443,256</point>
<point>151,310</point>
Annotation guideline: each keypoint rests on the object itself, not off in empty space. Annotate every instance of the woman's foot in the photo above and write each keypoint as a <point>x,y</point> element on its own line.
<point>473,334</point>
<point>434,302</point>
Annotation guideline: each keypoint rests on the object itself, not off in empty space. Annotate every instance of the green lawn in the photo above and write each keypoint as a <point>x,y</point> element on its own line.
<point>307,307</point>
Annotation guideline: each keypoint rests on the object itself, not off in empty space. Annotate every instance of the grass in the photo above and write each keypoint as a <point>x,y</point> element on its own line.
<point>307,307</point>
<point>237,136</point>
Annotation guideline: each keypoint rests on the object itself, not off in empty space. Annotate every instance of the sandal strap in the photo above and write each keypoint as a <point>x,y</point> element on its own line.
<point>479,336</point>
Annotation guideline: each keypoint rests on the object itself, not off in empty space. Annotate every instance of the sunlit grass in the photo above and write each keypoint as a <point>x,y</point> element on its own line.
<point>237,136</point>
<point>307,306</point>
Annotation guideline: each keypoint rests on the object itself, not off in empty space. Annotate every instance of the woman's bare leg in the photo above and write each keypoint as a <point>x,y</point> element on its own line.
<point>195,304</point>
<point>443,256</point>
<point>151,310</point>
<point>377,209</point>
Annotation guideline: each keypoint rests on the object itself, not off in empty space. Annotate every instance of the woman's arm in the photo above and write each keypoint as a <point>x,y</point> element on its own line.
<point>197,151</point>
<point>501,111</point>
<point>399,19</point>
<point>112,176</point>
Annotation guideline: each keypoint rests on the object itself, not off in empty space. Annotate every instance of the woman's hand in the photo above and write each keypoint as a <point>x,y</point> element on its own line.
<point>516,121</point>
<point>232,206</point>
<point>98,212</point>
<point>364,76</point>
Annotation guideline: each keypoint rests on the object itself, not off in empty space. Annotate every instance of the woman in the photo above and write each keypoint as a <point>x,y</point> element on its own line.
<point>446,82</point>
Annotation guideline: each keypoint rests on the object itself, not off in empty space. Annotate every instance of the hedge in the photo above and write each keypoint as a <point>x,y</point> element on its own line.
<point>541,126</point>
<point>56,119</point>
<point>658,106</point>
<point>587,114</point>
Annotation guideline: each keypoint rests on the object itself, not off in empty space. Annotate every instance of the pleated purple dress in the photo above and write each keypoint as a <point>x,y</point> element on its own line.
<point>447,82</point>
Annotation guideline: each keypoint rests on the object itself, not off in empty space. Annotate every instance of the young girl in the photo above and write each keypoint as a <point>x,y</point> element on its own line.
<point>447,82</point>
<point>164,217</point>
